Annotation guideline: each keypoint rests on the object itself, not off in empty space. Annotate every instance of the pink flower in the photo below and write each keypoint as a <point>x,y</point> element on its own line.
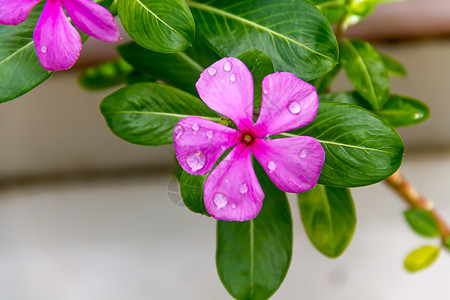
<point>232,191</point>
<point>57,42</point>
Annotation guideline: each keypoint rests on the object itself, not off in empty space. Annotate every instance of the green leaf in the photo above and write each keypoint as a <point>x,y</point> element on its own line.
<point>181,69</point>
<point>191,187</point>
<point>447,243</point>
<point>146,113</point>
<point>105,75</point>
<point>20,70</point>
<point>359,9</point>
<point>260,65</point>
<point>160,25</point>
<point>253,256</point>
<point>295,35</point>
<point>333,10</point>
<point>422,222</point>
<point>361,149</point>
<point>345,97</point>
<point>329,218</point>
<point>404,111</point>
<point>366,71</point>
<point>393,66</point>
<point>322,84</point>
<point>421,258</point>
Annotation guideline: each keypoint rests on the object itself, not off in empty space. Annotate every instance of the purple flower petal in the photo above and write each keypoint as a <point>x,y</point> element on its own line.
<point>57,43</point>
<point>13,12</point>
<point>293,164</point>
<point>232,191</point>
<point>287,103</point>
<point>199,143</point>
<point>227,88</point>
<point>93,19</point>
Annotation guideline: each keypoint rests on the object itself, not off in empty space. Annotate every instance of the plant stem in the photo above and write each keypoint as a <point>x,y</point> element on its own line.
<point>339,29</point>
<point>414,199</point>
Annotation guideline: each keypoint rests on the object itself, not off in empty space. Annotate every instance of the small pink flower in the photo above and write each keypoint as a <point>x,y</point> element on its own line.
<point>232,191</point>
<point>57,42</point>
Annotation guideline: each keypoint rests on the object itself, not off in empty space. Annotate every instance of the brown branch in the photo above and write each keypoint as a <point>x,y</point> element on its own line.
<point>414,199</point>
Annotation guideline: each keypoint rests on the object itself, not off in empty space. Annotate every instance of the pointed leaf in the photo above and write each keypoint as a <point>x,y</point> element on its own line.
<point>253,256</point>
<point>422,222</point>
<point>404,111</point>
<point>160,25</point>
<point>328,215</point>
<point>361,149</point>
<point>421,258</point>
<point>146,113</point>
<point>366,71</point>
<point>393,66</point>
<point>295,35</point>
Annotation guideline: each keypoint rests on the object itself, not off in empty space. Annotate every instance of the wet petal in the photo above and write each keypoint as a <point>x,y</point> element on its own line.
<point>13,12</point>
<point>287,103</point>
<point>293,164</point>
<point>199,143</point>
<point>57,42</point>
<point>93,19</point>
<point>232,191</point>
<point>227,87</point>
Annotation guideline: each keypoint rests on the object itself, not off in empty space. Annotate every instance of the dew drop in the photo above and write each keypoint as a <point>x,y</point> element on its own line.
<point>223,147</point>
<point>44,49</point>
<point>227,66</point>
<point>195,127</point>
<point>179,130</point>
<point>209,134</point>
<point>233,206</point>
<point>294,107</point>
<point>266,92</point>
<point>271,165</point>
<point>220,200</point>
<point>196,160</point>
<point>417,116</point>
<point>243,188</point>
<point>233,77</point>
<point>303,153</point>
<point>212,71</point>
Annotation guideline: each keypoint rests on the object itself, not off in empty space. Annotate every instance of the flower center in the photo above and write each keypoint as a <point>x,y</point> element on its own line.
<point>247,138</point>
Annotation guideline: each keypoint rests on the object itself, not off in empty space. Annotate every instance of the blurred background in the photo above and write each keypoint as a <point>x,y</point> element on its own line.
<point>85,215</point>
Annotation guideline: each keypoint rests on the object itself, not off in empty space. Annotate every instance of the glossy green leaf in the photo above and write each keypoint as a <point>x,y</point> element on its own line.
<point>181,69</point>
<point>253,256</point>
<point>366,71</point>
<point>422,222</point>
<point>146,113</point>
<point>191,187</point>
<point>295,35</point>
<point>359,9</point>
<point>160,25</point>
<point>393,66</point>
<point>361,148</point>
<point>105,75</point>
<point>333,10</point>
<point>345,97</point>
<point>328,215</point>
<point>421,258</point>
<point>322,84</point>
<point>20,70</point>
<point>260,65</point>
<point>404,111</point>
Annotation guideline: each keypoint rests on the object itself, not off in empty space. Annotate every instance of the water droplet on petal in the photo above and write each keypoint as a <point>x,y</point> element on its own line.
<point>196,160</point>
<point>212,71</point>
<point>233,206</point>
<point>223,147</point>
<point>266,92</point>
<point>233,77</point>
<point>210,134</point>
<point>271,165</point>
<point>227,66</point>
<point>243,188</point>
<point>294,107</point>
<point>195,127</point>
<point>44,49</point>
<point>179,130</point>
<point>303,153</point>
<point>220,200</point>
